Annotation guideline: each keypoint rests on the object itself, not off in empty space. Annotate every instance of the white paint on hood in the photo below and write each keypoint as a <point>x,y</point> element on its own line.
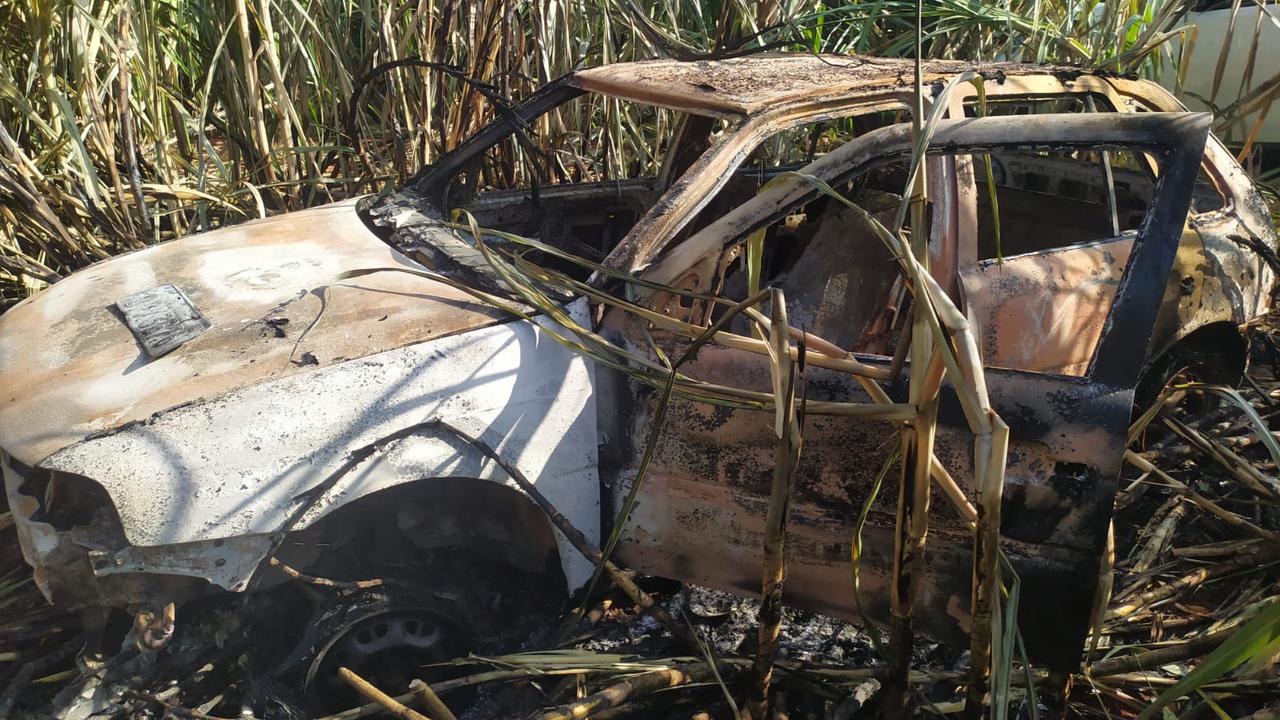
<point>236,465</point>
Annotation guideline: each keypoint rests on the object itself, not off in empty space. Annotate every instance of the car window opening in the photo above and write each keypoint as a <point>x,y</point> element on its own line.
<point>576,196</point>
<point>839,279</point>
<point>1066,221</point>
<point>577,193</point>
<point>1053,199</point>
<point>1065,103</point>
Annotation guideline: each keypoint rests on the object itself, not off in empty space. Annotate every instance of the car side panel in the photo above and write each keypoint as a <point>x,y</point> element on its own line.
<point>238,465</point>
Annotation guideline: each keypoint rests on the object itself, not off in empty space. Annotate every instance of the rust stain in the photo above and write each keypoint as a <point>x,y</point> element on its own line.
<point>278,307</point>
<point>749,85</point>
<point>1045,311</point>
<point>261,285</point>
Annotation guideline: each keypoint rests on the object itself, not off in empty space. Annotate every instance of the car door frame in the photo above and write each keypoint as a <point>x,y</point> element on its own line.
<point>1079,421</point>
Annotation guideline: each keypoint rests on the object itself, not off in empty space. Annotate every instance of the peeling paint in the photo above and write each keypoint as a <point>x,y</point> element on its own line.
<point>206,452</point>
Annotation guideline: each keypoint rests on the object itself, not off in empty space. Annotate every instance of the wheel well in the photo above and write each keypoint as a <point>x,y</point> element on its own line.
<point>493,521</point>
<point>1217,351</point>
<point>1219,341</point>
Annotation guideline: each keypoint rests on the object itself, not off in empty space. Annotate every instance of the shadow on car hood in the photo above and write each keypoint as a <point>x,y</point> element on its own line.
<point>275,303</point>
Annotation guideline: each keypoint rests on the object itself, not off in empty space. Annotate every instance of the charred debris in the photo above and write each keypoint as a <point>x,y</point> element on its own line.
<point>1194,560</point>
<point>1036,514</point>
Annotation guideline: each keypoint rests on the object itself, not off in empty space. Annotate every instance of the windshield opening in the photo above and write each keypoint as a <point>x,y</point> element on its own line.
<point>579,173</point>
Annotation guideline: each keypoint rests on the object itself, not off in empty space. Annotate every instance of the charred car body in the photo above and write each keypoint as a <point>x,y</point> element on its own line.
<point>193,397</point>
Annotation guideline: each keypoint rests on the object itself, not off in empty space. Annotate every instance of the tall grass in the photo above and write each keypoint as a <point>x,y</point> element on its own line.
<point>126,122</point>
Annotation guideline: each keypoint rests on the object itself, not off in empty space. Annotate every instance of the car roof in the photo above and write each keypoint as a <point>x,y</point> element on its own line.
<point>749,84</point>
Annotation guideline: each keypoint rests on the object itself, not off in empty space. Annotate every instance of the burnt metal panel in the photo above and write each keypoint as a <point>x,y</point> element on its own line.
<point>161,318</point>
<point>764,81</point>
<point>277,303</point>
<point>1138,299</point>
<point>700,514</point>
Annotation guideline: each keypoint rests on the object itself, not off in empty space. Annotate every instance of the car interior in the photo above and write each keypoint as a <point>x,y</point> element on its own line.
<point>1030,243</point>
<point>1033,251</point>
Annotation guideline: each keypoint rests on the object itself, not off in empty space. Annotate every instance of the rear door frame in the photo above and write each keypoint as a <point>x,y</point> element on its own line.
<point>1073,428</point>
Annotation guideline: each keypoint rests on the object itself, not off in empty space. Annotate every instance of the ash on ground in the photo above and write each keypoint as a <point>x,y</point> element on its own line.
<point>728,623</point>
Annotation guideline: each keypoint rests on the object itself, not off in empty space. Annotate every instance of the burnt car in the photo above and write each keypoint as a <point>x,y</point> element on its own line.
<point>172,418</point>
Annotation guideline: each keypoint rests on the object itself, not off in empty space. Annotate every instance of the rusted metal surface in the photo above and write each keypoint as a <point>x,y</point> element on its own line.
<point>1045,311</point>
<point>205,451</point>
<point>1068,435</point>
<point>233,468</point>
<point>751,85</point>
<point>271,290</point>
<point>701,514</point>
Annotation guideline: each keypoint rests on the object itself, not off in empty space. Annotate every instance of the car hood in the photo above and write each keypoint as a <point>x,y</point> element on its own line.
<point>276,302</point>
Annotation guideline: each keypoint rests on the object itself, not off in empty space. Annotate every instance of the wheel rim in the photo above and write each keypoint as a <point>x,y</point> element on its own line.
<point>388,649</point>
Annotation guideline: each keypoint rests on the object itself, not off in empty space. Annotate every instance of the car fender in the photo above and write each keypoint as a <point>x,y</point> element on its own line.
<point>188,480</point>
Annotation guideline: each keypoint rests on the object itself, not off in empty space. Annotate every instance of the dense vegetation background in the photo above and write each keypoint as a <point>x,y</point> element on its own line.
<point>125,122</point>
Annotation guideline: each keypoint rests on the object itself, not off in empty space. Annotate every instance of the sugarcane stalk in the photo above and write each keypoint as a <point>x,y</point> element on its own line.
<point>912,521</point>
<point>912,524</point>
<point>495,676</point>
<point>262,143</point>
<point>1151,659</point>
<point>388,703</point>
<point>1205,503</point>
<point>984,632</point>
<point>1226,548</point>
<point>1158,539</point>
<point>432,702</point>
<point>1150,679</point>
<point>1253,558</point>
<point>1243,470</point>
<point>171,709</point>
<point>912,529</point>
<point>952,490</point>
<point>1102,596</point>
<point>630,688</point>
<point>774,567</point>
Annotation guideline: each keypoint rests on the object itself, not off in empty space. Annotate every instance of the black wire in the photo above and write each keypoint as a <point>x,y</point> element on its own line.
<point>351,130</point>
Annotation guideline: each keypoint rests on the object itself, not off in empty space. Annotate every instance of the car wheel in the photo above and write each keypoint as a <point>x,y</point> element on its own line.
<point>387,636</point>
<point>420,615</point>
